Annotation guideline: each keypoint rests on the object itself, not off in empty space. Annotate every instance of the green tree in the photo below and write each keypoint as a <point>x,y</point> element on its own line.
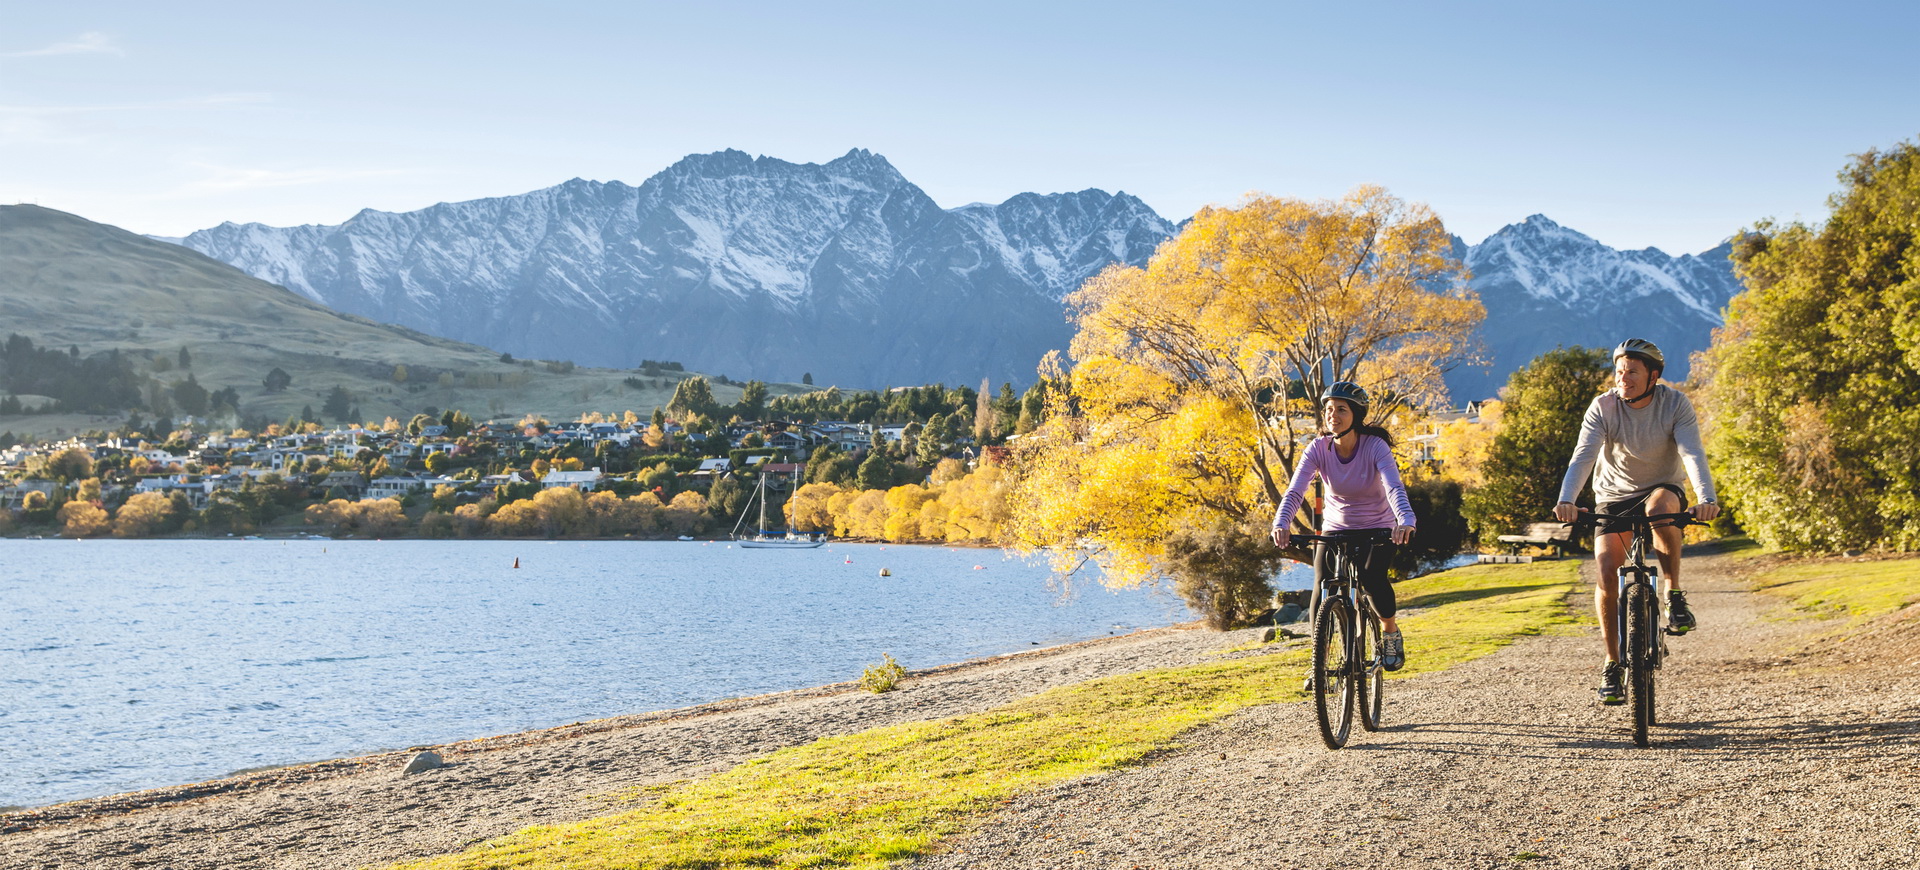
<point>186,359</point>
<point>190,397</point>
<point>1544,403</point>
<point>277,380</point>
<point>1809,389</point>
<point>876,472</point>
<point>339,404</point>
<point>458,423</point>
<point>727,498</point>
<point>933,441</point>
<point>807,379</point>
<point>753,401</point>
<point>420,421</point>
<point>693,398</point>
<point>69,465</point>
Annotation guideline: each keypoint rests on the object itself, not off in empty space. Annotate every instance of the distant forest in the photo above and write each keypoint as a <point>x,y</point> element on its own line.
<point>102,383</point>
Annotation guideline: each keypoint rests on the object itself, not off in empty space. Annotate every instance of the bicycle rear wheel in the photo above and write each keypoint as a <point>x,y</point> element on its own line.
<point>1639,642</point>
<point>1370,676</point>
<point>1333,684</point>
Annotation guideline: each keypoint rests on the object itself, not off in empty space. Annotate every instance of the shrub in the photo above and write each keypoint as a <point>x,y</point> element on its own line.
<point>1440,532</point>
<point>883,677</point>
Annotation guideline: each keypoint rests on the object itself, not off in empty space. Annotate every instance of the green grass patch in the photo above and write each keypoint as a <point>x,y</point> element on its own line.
<point>1833,587</point>
<point>863,800</point>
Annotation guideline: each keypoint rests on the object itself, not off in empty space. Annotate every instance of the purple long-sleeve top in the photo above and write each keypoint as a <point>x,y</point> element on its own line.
<point>1363,491</point>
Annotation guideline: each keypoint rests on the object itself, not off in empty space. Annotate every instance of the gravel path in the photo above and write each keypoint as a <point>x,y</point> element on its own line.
<point>1778,750</point>
<point>1771,754</point>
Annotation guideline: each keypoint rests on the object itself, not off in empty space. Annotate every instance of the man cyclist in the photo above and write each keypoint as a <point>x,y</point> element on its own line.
<point>1638,441</point>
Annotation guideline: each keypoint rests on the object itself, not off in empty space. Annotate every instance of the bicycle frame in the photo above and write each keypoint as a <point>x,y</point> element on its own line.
<point>1341,603</point>
<point>1643,651</point>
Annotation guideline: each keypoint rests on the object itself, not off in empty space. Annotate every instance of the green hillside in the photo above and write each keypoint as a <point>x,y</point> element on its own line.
<point>66,282</point>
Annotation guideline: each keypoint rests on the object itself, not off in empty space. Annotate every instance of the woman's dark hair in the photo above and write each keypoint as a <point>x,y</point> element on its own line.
<point>1359,425</point>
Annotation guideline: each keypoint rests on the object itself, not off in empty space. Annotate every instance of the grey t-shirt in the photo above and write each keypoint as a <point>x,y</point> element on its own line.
<point>1637,449</point>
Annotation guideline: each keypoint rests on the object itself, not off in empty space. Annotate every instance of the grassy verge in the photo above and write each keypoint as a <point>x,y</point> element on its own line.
<point>862,800</point>
<point>1862,589</point>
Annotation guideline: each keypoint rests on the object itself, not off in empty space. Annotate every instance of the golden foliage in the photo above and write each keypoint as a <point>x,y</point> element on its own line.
<point>141,515</point>
<point>1463,444</point>
<point>81,519</point>
<point>807,510</point>
<point>1174,417</point>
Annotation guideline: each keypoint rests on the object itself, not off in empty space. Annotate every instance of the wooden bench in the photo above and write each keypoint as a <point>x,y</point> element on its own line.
<point>1554,536</point>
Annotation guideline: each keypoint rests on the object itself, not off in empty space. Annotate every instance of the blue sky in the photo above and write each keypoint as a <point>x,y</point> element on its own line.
<point>1640,124</point>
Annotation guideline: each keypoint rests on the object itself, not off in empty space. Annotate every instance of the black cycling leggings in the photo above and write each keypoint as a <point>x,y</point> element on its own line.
<point>1373,573</point>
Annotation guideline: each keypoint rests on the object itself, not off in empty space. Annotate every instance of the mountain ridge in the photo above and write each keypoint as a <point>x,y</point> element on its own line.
<point>759,267</point>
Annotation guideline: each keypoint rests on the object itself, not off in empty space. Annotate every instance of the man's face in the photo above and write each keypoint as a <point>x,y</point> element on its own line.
<point>1631,376</point>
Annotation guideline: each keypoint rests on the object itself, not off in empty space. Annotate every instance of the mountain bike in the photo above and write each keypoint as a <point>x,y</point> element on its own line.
<point>1637,613</point>
<point>1347,649</point>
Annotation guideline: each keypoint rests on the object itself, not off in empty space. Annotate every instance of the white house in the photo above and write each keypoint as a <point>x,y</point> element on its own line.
<point>583,481</point>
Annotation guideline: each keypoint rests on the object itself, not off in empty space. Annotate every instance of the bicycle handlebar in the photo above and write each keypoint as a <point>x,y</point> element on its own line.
<point>1680,519</point>
<point>1362,537</point>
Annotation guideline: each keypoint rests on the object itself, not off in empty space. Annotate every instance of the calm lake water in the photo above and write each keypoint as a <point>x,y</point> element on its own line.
<point>135,664</point>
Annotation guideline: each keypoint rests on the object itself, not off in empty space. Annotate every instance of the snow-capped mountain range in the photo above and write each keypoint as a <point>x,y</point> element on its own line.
<point>1546,286</point>
<point>760,268</point>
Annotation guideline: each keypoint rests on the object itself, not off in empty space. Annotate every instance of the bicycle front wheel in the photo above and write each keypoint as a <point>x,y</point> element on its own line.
<point>1370,676</point>
<point>1333,684</point>
<point>1641,622</point>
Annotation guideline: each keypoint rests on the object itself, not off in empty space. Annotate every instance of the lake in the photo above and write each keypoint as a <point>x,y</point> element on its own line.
<point>127,665</point>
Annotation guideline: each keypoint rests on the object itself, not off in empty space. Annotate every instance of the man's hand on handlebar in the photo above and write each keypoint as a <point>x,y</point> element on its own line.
<point>1705,511</point>
<point>1566,512</point>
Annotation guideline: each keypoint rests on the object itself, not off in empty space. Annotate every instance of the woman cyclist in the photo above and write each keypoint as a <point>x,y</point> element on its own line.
<point>1363,494</point>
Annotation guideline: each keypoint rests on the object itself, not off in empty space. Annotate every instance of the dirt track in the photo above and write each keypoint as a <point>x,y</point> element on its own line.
<point>1773,753</point>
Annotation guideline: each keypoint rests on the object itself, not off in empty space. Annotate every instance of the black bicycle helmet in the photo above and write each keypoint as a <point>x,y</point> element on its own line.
<point>1353,393</point>
<point>1642,350</point>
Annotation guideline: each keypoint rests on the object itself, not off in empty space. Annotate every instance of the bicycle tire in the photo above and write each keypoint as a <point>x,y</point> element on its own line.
<point>1333,699</point>
<point>1639,644</point>
<point>1370,678</point>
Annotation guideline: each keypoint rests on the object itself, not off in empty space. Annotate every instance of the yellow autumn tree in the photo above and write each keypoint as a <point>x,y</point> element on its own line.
<point>808,510</point>
<point>82,519</point>
<point>1462,445</point>
<point>1172,436</point>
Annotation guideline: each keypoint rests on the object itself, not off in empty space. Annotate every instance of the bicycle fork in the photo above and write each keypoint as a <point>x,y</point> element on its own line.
<point>1626,580</point>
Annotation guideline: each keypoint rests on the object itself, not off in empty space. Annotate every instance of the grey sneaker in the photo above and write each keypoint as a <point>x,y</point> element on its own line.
<point>1393,653</point>
<point>1679,615</point>
<point>1307,686</point>
<point>1613,684</point>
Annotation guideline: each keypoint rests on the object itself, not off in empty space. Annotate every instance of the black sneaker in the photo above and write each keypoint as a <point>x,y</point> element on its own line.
<point>1393,653</point>
<point>1612,684</point>
<point>1679,616</point>
<point>1307,686</point>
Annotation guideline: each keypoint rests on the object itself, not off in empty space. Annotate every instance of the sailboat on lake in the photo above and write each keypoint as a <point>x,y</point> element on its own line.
<point>790,540</point>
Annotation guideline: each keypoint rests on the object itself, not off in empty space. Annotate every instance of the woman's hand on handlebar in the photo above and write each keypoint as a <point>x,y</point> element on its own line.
<point>1281,537</point>
<point>1402,534</point>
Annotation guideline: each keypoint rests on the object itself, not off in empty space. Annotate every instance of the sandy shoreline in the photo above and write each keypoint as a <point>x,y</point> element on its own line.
<point>361,810</point>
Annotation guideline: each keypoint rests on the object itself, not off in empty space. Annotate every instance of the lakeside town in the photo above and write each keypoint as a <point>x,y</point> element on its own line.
<point>599,476</point>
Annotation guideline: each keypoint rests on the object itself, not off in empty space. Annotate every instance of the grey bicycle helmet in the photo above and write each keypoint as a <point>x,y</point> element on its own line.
<point>1642,350</point>
<point>1349,391</point>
